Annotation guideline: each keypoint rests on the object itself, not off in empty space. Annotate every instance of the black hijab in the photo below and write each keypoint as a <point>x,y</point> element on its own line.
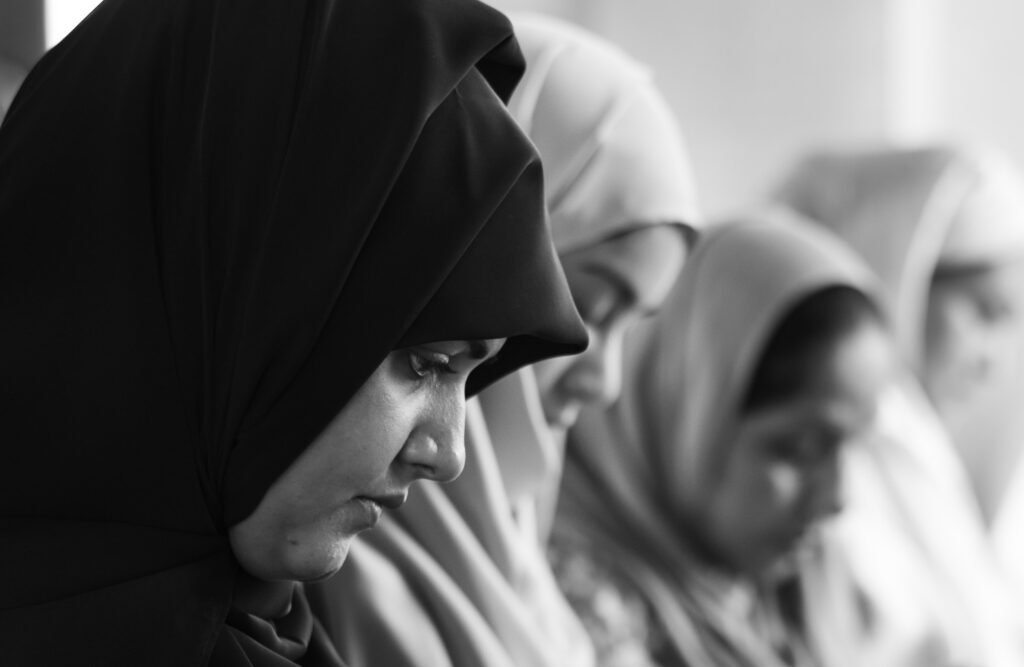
<point>217,217</point>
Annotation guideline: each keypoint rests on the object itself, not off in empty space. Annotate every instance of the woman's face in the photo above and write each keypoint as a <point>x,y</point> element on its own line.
<point>614,284</point>
<point>405,423</point>
<point>781,474</point>
<point>973,337</point>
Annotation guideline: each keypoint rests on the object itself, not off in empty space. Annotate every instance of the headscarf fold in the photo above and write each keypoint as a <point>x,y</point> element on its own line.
<point>634,472</point>
<point>469,553</point>
<point>217,218</point>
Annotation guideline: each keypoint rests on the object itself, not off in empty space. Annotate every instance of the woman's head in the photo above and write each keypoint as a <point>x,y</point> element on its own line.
<point>779,358</point>
<point>278,301</point>
<point>461,271</point>
<point>813,390</point>
<point>619,191</point>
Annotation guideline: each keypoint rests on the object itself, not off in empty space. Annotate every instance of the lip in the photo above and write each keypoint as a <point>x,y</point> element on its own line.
<point>370,512</point>
<point>391,501</point>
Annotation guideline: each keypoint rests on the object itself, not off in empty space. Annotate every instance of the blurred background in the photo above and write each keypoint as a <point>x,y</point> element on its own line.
<point>756,83</point>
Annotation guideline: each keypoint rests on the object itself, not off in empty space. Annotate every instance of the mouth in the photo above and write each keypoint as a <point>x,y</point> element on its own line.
<point>384,501</point>
<point>371,508</point>
<point>391,501</point>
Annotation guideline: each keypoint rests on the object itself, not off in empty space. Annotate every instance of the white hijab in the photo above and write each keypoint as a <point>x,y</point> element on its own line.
<point>459,576</point>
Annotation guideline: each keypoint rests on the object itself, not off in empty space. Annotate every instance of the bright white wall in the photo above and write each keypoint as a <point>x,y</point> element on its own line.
<point>978,58</point>
<point>757,83</point>
<point>63,15</point>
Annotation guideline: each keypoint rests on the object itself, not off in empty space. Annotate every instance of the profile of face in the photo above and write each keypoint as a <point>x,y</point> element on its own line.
<point>974,337</point>
<point>614,283</point>
<point>781,471</point>
<point>405,423</point>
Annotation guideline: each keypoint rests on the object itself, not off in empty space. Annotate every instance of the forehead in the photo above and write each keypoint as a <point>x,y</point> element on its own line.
<point>847,380</point>
<point>642,259</point>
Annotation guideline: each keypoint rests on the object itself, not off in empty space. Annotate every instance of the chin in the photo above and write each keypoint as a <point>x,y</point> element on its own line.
<point>326,574</point>
<point>321,564</point>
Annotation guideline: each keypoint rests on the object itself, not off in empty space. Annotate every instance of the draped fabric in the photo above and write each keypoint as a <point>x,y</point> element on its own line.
<point>217,217</point>
<point>913,534</point>
<point>464,562</point>
<point>635,472</point>
<point>613,154</point>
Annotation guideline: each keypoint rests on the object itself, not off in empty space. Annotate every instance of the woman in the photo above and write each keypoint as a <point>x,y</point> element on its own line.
<point>685,505</point>
<point>942,229</point>
<point>243,306</point>
<point>466,567</point>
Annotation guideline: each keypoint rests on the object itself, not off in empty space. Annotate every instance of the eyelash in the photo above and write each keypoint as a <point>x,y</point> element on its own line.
<point>430,365</point>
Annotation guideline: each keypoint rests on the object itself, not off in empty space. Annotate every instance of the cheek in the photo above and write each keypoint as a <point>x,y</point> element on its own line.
<point>765,491</point>
<point>783,488</point>
<point>754,503</point>
<point>361,444</point>
<point>385,426</point>
<point>746,501</point>
<point>549,371</point>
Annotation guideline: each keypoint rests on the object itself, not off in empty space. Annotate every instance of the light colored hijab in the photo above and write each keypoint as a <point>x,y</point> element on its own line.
<point>459,575</point>
<point>913,535</point>
<point>633,473</point>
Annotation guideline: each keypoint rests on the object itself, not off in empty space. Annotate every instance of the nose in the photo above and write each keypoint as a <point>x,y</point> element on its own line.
<point>436,449</point>
<point>596,375</point>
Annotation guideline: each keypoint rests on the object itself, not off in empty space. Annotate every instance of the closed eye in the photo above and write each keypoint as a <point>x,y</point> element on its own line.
<point>430,364</point>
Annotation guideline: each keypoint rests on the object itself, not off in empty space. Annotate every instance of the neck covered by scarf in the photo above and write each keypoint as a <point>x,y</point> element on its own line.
<point>219,217</point>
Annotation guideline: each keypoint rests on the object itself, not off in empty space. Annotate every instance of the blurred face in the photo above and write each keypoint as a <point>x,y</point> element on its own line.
<point>614,284</point>
<point>405,423</point>
<point>974,335</point>
<point>782,471</point>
